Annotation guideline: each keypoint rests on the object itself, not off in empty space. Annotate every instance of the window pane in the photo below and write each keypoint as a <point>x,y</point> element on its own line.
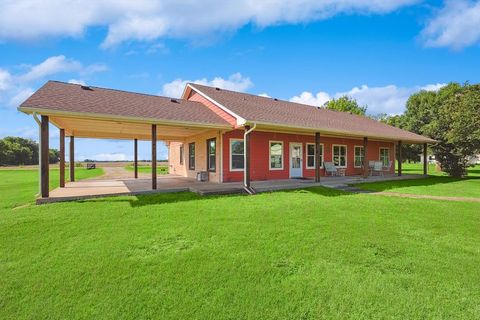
<point>237,161</point>
<point>276,150</point>
<point>237,147</point>
<point>310,149</point>
<point>310,161</point>
<point>276,162</point>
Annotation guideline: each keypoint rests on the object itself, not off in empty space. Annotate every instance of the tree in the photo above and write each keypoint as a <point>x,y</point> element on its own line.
<point>346,104</point>
<point>20,151</point>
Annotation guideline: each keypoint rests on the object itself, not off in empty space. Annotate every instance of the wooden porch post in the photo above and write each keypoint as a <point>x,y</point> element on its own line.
<point>425,160</point>
<point>365,160</point>
<point>317,157</point>
<point>154,156</point>
<point>44,150</point>
<point>72,158</point>
<point>62,158</point>
<point>399,158</point>
<point>247,158</point>
<point>135,157</point>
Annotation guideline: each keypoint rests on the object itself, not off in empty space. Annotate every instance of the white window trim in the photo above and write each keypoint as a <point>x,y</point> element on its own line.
<point>230,153</point>
<point>380,153</point>
<point>354,155</point>
<point>270,155</point>
<point>346,154</point>
<point>314,158</point>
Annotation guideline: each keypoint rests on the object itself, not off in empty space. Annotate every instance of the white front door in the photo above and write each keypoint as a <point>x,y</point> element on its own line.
<point>296,160</point>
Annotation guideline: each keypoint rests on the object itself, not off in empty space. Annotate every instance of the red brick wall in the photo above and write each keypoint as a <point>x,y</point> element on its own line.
<point>260,154</point>
<point>194,96</point>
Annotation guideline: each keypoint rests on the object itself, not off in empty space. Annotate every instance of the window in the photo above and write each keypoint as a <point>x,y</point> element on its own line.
<point>359,156</point>
<point>385,156</point>
<point>236,155</point>
<point>181,154</point>
<point>311,156</point>
<point>191,156</point>
<point>276,155</point>
<point>340,156</point>
<point>211,154</point>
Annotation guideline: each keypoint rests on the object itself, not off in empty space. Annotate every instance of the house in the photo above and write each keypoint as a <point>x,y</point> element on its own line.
<point>229,136</point>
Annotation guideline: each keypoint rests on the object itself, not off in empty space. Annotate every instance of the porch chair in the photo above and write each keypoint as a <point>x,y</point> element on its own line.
<point>388,167</point>
<point>378,168</point>
<point>332,170</point>
<point>371,164</point>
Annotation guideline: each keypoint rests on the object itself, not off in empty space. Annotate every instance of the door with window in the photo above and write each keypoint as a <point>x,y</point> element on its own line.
<point>296,160</point>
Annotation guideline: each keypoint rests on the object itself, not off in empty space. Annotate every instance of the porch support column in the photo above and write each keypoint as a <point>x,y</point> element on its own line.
<point>365,160</point>
<point>399,158</point>
<point>425,161</point>
<point>317,157</point>
<point>72,158</point>
<point>44,150</point>
<point>246,169</point>
<point>135,157</point>
<point>154,156</point>
<point>62,158</point>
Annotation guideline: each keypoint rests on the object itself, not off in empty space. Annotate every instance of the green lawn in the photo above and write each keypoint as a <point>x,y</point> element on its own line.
<point>438,184</point>
<point>148,169</point>
<point>306,254</point>
<point>19,186</point>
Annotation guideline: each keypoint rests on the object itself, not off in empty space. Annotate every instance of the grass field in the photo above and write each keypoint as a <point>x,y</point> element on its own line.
<point>436,185</point>
<point>148,169</point>
<point>306,254</point>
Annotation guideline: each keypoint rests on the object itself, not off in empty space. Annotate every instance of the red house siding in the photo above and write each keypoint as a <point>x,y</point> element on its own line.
<point>260,155</point>
<point>194,96</point>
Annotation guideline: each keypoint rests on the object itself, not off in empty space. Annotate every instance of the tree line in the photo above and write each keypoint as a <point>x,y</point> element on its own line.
<point>451,116</point>
<point>15,151</point>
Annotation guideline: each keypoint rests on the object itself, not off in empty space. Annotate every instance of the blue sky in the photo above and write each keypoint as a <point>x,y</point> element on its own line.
<point>378,52</point>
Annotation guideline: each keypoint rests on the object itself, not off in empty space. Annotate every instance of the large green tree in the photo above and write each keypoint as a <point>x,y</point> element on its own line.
<point>20,151</point>
<point>346,104</point>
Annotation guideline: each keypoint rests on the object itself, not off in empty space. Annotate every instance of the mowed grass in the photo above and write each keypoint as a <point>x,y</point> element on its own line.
<point>148,169</point>
<point>19,186</point>
<point>437,184</point>
<point>306,254</point>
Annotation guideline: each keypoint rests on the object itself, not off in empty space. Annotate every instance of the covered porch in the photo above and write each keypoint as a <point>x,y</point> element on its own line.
<point>94,188</point>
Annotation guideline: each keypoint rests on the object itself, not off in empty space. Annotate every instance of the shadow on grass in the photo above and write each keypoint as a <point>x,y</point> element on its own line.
<point>430,181</point>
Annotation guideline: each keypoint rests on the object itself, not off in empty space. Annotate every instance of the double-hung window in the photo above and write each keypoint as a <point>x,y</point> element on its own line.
<point>311,156</point>
<point>211,154</point>
<point>191,156</point>
<point>385,156</point>
<point>359,156</point>
<point>340,156</point>
<point>276,155</point>
<point>236,154</point>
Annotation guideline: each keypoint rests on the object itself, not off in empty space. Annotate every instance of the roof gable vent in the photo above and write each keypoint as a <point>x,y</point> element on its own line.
<point>86,88</point>
<point>174,100</point>
<point>218,89</point>
<point>275,99</point>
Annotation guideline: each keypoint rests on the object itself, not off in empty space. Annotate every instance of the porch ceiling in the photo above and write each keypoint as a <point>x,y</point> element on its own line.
<point>118,129</point>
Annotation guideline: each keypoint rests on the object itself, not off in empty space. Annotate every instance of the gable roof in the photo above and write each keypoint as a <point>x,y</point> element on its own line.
<point>60,98</point>
<point>274,112</point>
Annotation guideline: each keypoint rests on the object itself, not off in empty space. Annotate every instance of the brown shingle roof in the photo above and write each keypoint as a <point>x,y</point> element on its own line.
<point>72,98</point>
<point>259,109</point>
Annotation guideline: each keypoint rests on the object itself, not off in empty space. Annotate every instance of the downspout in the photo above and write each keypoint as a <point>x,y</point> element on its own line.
<point>35,117</point>
<point>245,156</point>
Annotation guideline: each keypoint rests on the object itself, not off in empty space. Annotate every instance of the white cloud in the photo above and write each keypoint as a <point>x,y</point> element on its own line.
<point>105,157</point>
<point>5,79</point>
<point>457,25</point>
<point>308,98</point>
<point>264,95</point>
<point>51,66</point>
<point>21,96</point>
<point>146,20</point>
<point>389,99</point>
<point>235,82</point>
<point>76,81</point>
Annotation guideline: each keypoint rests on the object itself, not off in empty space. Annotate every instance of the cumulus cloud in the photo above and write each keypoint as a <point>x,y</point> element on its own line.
<point>235,82</point>
<point>306,97</point>
<point>457,25</point>
<point>389,99</point>
<point>105,157</point>
<point>76,81</point>
<point>15,88</point>
<point>147,20</point>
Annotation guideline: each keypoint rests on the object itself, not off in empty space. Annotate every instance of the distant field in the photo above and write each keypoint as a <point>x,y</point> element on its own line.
<point>148,169</point>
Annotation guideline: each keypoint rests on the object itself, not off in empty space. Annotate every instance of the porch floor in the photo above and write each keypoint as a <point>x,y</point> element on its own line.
<point>92,188</point>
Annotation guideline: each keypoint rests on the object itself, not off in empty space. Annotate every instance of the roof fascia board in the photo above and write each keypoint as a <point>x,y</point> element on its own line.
<point>340,133</point>
<point>240,120</point>
<point>96,116</point>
